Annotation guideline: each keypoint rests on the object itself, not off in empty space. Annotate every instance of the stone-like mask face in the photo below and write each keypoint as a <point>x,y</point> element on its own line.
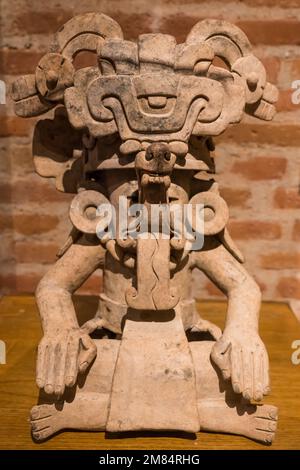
<point>156,90</point>
<point>155,94</point>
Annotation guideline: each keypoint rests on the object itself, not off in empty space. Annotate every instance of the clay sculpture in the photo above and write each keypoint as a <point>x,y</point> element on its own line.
<point>136,130</point>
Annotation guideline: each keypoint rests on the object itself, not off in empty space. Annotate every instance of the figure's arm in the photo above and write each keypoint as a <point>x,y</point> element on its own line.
<point>65,349</point>
<point>240,354</point>
<point>244,296</point>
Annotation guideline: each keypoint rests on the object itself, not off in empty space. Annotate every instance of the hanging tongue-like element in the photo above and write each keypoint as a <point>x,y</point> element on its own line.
<point>153,291</point>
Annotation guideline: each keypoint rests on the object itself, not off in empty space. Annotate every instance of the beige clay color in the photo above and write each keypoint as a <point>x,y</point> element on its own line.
<point>139,124</point>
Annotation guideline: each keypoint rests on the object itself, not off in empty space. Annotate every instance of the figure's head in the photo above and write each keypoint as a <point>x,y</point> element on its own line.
<point>152,97</point>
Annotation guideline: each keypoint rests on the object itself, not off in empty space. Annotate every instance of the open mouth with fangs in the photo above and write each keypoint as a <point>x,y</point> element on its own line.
<point>153,187</point>
<point>147,178</point>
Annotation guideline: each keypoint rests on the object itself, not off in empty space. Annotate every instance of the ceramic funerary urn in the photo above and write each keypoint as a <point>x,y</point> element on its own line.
<point>131,137</point>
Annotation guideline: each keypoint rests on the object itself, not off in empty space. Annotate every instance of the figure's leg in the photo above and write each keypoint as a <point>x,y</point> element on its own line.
<point>85,407</point>
<point>222,410</point>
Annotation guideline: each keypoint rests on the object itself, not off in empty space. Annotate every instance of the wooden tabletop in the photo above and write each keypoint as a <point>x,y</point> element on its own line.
<point>20,330</point>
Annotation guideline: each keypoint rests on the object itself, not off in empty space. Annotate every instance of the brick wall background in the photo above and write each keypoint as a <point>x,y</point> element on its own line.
<point>257,162</point>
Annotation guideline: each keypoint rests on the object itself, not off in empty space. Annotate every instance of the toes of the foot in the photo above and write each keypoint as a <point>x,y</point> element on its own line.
<point>38,425</point>
<point>35,412</point>
<point>42,434</point>
<point>272,426</point>
<point>41,411</point>
<point>273,413</point>
<point>268,412</point>
<point>268,439</point>
<point>266,425</point>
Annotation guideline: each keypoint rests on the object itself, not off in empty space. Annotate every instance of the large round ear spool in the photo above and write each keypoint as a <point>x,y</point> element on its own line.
<point>84,212</point>
<point>253,72</point>
<point>216,208</point>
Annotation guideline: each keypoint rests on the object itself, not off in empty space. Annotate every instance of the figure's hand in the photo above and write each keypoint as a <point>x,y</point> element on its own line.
<point>242,356</point>
<point>207,326</point>
<point>61,356</point>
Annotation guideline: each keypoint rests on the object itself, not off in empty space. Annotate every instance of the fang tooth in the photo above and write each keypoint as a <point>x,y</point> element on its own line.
<point>167,181</point>
<point>155,179</point>
<point>145,179</point>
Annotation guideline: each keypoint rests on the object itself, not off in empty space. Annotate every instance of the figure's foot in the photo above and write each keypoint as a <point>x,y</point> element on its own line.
<point>257,422</point>
<point>87,412</point>
<point>263,424</point>
<point>45,421</point>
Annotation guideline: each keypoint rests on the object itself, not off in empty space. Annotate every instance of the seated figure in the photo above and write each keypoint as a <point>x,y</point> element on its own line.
<point>135,130</point>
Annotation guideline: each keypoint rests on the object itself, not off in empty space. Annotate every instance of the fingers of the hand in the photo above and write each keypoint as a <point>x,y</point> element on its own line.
<point>87,353</point>
<point>204,325</point>
<point>215,331</point>
<point>258,377</point>
<point>49,365</point>
<point>266,375</point>
<point>40,365</point>
<point>221,356</point>
<point>60,365</point>
<point>247,364</point>
<point>71,361</point>
<point>236,370</point>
